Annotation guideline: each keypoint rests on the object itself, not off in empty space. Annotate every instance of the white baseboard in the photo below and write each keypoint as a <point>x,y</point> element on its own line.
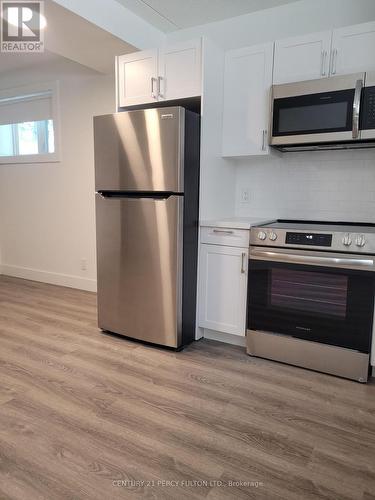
<point>68,280</point>
<point>224,337</point>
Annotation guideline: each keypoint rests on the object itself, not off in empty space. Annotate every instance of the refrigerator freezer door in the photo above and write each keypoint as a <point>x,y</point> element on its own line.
<point>139,246</point>
<point>140,150</point>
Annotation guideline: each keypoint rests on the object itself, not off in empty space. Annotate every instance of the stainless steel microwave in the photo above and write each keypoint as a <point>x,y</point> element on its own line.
<point>328,113</point>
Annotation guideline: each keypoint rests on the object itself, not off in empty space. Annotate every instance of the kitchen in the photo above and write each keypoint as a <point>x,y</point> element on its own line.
<point>267,219</point>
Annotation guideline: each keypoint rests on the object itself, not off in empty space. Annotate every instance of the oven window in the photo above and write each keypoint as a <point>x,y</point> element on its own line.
<point>315,292</point>
<point>319,116</point>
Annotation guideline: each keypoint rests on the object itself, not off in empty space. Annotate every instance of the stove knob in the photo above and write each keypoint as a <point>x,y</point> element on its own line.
<point>360,240</point>
<point>347,240</point>
<point>272,236</point>
<point>262,235</point>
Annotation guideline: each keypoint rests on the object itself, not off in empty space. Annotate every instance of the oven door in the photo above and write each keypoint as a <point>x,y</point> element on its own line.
<point>317,296</point>
<point>317,111</point>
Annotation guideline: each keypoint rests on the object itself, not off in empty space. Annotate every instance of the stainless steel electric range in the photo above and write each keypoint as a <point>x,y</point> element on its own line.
<point>311,295</point>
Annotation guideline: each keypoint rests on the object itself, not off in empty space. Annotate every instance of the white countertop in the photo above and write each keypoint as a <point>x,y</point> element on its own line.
<point>236,222</point>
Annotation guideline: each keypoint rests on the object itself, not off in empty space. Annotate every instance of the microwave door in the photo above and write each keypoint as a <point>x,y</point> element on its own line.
<point>317,111</point>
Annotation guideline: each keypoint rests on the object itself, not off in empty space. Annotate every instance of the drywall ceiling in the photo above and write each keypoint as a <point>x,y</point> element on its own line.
<point>172,15</point>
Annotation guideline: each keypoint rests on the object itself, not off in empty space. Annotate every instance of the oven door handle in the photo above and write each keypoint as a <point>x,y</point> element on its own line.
<point>364,263</point>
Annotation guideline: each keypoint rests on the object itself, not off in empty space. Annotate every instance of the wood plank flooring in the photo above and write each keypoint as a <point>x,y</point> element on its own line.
<point>86,415</point>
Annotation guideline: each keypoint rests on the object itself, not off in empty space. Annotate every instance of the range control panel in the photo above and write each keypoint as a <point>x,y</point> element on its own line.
<point>359,238</point>
<point>315,239</point>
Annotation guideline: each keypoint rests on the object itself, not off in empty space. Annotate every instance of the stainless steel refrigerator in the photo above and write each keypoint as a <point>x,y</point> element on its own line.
<point>147,192</point>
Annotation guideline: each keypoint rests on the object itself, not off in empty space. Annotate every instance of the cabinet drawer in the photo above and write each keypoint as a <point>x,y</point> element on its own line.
<point>225,236</point>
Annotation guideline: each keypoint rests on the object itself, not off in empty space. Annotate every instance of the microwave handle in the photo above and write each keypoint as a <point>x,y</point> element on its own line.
<point>356,108</point>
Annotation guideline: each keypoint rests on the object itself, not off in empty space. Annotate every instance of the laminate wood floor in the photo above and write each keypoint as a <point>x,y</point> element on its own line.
<point>86,415</point>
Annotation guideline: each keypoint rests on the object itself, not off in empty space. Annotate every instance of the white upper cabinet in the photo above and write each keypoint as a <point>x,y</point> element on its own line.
<point>353,49</point>
<point>247,82</point>
<point>302,58</point>
<point>329,53</point>
<point>137,78</point>
<point>180,73</point>
<point>172,72</point>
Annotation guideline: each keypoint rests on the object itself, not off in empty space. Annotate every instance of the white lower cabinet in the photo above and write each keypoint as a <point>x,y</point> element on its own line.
<point>223,288</point>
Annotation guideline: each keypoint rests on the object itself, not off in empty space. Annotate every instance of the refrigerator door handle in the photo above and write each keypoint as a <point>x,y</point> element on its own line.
<point>162,195</point>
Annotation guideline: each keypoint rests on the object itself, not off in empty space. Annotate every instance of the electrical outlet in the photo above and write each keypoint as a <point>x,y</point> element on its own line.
<point>245,195</point>
<point>83,264</point>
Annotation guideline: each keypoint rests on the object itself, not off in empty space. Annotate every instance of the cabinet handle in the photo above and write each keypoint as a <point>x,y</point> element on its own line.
<point>160,78</point>
<point>222,231</point>
<point>323,67</point>
<point>243,255</point>
<point>333,62</point>
<point>152,87</point>
<point>264,136</point>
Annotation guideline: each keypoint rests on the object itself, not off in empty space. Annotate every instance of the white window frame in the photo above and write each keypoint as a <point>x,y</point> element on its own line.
<point>52,87</point>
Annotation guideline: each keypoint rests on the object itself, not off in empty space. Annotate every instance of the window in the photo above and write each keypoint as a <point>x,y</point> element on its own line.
<point>29,124</point>
<point>27,138</point>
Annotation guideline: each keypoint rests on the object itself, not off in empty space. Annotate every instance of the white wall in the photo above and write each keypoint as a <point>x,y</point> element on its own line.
<point>335,185</point>
<point>47,218</point>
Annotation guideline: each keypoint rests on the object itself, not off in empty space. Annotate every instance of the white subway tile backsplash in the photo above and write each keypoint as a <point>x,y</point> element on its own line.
<point>328,186</point>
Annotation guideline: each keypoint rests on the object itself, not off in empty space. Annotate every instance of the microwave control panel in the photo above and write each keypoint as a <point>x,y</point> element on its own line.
<point>368,108</point>
<point>314,239</point>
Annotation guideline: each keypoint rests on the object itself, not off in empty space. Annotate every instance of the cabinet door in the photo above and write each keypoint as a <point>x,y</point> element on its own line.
<point>247,83</point>
<point>302,58</point>
<point>353,49</point>
<point>137,78</point>
<point>180,71</point>
<point>223,288</point>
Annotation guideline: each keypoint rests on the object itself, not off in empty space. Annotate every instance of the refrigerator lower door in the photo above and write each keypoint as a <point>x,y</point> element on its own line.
<point>139,252</point>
